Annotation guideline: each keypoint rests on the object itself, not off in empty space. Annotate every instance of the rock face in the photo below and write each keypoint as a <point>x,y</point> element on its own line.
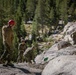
<point>63,44</point>
<point>19,69</point>
<point>70,32</point>
<point>40,58</point>
<point>60,59</point>
<point>62,65</point>
<point>52,54</point>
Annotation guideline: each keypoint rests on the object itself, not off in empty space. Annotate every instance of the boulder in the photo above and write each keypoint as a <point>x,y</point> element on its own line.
<point>70,32</point>
<point>62,65</point>
<point>63,44</point>
<point>60,58</point>
<point>39,58</point>
<point>53,53</point>
<point>67,26</point>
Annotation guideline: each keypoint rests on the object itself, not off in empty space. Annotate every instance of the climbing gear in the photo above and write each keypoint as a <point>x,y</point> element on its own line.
<point>45,59</point>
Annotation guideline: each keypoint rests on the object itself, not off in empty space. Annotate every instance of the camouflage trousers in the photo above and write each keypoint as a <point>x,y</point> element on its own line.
<point>7,54</point>
<point>20,56</point>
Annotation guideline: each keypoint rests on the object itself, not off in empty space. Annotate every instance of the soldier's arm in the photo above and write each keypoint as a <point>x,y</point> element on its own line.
<point>19,46</point>
<point>3,34</point>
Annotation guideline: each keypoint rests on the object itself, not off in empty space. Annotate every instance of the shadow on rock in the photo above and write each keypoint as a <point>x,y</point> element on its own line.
<point>22,69</point>
<point>37,73</point>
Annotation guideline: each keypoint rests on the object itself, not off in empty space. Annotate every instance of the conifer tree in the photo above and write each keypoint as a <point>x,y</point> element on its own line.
<point>40,14</point>
<point>63,10</point>
<point>30,8</point>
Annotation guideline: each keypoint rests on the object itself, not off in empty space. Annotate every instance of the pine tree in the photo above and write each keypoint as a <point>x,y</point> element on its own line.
<point>63,10</point>
<point>47,12</point>
<point>30,8</point>
<point>40,14</point>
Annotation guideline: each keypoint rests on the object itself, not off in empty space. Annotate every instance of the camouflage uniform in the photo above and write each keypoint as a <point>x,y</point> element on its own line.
<point>7,35</point>
<point>21,49</point>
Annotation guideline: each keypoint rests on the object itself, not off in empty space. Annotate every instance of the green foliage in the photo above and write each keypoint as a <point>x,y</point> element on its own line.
<point>30,7</point>
<point>3,18</point>
<point>23,31</point>
<point>35,28</point>
<point>36,49</point>
<point>15,47</point>
<point>42,12</point>
<point>63,9</point>
<point>51,16</point>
